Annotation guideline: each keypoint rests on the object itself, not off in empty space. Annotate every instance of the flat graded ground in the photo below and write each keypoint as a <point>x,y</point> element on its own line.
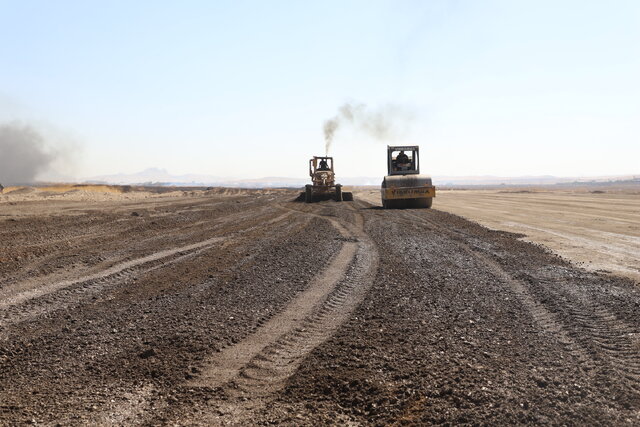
<point>247,308</point>
<point>599,230</point>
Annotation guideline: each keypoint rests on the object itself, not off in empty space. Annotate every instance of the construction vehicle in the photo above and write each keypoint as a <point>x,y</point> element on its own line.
<point>323,180</point>
<point>404,187</point>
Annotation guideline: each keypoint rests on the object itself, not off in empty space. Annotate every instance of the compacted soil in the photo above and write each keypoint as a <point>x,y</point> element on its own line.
<point>598,227</point>
<point>248,308</point>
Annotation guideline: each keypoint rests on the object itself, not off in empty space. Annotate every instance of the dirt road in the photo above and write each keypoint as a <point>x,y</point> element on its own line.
<point>248,308</point>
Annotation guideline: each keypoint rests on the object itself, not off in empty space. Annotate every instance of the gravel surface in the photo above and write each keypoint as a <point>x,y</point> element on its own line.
<point>248,308</point>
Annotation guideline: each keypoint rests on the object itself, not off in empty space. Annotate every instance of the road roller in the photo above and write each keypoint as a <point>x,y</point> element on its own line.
<point>404,186</point>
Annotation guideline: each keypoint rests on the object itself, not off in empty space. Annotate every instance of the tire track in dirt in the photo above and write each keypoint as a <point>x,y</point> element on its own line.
<point>9,290</point>
<point>93,284</point>
<point>280,359</point>
<point>617,340</point>
<point>131,397</point>
<point>115,271</point>
<point>250,371</point>
<point>226,365</point>
<point>141,402</point>
<point>545,318</point>
<point>108,244</point>
<point>589,327</point>
<point>12,306</point>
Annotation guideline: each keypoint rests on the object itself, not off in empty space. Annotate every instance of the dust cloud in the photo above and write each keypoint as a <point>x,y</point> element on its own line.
<point>382,124</point>
<point>23,154</point>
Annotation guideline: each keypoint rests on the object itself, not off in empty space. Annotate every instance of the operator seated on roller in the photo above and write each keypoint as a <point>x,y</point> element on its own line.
<point>324,166</point>
<point>402,161</point>
<point>402,158</point>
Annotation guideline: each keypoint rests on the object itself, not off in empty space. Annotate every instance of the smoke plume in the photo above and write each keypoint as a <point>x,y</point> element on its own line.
<point>23,154</point>
<point>383,124</point>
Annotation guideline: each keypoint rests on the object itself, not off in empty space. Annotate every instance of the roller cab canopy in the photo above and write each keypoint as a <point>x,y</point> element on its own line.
<point>403,160</point>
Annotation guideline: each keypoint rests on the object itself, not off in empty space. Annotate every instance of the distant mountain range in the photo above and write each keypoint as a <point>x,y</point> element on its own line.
<point>527,180</point>
<point>153,175</point>
<point>157,176</point>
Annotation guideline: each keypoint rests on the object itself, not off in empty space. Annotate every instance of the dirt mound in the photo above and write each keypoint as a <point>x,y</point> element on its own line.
<point>18,190</point>
<point>65,188</point>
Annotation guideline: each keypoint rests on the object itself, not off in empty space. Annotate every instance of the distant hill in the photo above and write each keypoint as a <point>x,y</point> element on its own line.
<point>154,175</point>
<point>157,176</point>
<point>527,180</point>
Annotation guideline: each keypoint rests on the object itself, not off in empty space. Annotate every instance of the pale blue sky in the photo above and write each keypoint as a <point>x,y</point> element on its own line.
<point>496,87</point>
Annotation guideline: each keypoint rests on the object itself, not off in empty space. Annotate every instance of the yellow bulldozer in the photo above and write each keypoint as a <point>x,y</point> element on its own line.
<point>323,180</point>
<point>404,187</point>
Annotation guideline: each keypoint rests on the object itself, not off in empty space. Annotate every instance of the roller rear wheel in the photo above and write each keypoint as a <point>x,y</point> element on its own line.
<point>423,203</point>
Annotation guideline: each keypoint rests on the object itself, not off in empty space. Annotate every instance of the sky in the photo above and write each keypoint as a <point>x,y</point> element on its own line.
<point>243,88</point>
